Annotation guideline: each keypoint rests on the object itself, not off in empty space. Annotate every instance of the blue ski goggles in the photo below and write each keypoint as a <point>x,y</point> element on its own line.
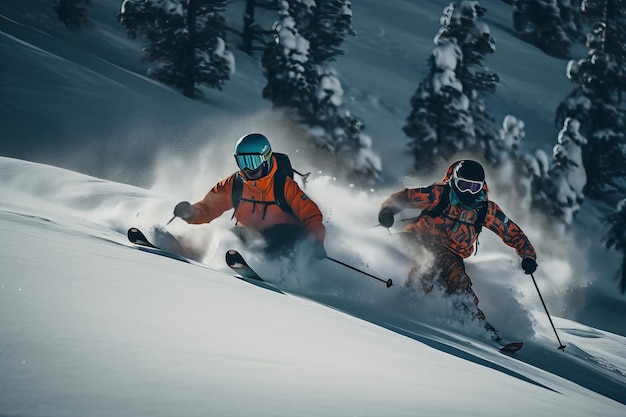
<point>468,186</point>
<point>251,161</point>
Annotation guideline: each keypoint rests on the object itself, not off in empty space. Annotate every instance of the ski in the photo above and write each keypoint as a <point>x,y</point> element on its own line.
<point>136,237</point>
<point>503,346</point>
<point>234,260</point>
<point>238,264</point>
<point>243,271</point>
<point>511,347</point>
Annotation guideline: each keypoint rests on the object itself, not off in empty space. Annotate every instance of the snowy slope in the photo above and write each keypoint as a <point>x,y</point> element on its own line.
<point>91,326</point>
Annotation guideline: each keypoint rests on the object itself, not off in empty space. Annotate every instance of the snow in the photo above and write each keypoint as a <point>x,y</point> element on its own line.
<point>91,326</point>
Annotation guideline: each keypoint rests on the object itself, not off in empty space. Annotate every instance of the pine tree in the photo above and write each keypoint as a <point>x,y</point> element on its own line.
<point>615,238</point>
<point>504,147</point>
<point>597,100</point>
<point>361,165</point>
<point>300,82</point>
<point>551,25</point>
<point>571,19</point>
<point>72,13</point>
<point>440,120</point>
<point>561,191</point>
<point>325,24</point>
<point>292,78</point>
<point>253,36</point>
<point>448,111</point>
<point>532,170</point>
<point>185,40</point>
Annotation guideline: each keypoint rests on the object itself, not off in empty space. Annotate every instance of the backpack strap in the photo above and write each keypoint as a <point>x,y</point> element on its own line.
<point>236,193</point>
<point>279,192</point>
<point>480,221</point>
<point>442,204</point>
<point>482,213</point>
<point>283,171</point>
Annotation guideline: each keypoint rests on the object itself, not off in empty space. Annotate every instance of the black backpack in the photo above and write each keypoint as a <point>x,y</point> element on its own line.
<point>444,202</point>
<point>283,171</point>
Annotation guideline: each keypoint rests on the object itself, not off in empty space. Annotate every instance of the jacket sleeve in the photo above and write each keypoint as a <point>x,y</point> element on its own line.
<point>215,202</point>
<point>509,232</point>
<point>419,198</point>
<point>305,210</point>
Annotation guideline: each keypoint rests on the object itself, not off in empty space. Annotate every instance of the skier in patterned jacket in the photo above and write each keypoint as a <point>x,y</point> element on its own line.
<point>453,213</point>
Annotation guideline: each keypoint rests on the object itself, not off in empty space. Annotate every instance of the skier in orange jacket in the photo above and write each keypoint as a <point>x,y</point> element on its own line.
<point>262,223</point>
<point>453,212</point>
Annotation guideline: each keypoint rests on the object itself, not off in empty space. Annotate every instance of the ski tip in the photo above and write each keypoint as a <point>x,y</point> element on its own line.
<point>137,237</point>
<point>234,259</point>
<point>230,254</point>
<point>512,347</point>
<point>238,264</point>
<point>135,234</point>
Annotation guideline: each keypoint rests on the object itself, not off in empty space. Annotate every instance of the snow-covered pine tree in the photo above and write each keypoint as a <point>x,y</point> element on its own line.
<point>353,148</point>
<point>72,13</point>
<point>185,41</point>
<point>615,238</point>
<point>440,122</point>
<point>551,25</point>
<point>502,154</point>
<point>572,19</point>
<point>448,111</point>
<point>505,146</point>
<point>325,24</point>
<point>292,78</point>
<point>300,82</point>
<point>597,101</point>
<point>561,191</point>
<point>533,170</point>
<point>336,129</point>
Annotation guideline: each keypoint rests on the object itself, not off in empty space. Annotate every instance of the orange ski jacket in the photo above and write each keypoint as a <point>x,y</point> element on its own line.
<point>455,227</point>
<point>258,209</point>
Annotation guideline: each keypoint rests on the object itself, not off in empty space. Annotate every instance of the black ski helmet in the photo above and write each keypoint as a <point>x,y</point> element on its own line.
<point>468,180</point>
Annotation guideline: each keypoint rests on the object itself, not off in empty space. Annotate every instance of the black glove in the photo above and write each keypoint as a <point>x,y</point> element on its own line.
<point>385,217</point>
<point>529,265</point>
<point>318,250</point>
<point>185,211</point>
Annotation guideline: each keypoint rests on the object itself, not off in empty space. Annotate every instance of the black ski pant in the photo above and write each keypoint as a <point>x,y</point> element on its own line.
<point>277,240</point>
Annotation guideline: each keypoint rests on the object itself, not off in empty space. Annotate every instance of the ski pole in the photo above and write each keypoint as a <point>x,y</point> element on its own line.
<point>388,282</point>
<point>561,346</point>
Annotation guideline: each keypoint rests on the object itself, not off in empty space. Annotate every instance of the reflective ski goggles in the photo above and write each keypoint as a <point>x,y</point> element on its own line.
<point>468,186</point>
<point>251,161</point>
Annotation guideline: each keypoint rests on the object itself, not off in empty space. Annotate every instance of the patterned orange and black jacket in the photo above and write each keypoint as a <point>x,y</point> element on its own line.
<point>454,228</point>
<point>253,213</point>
